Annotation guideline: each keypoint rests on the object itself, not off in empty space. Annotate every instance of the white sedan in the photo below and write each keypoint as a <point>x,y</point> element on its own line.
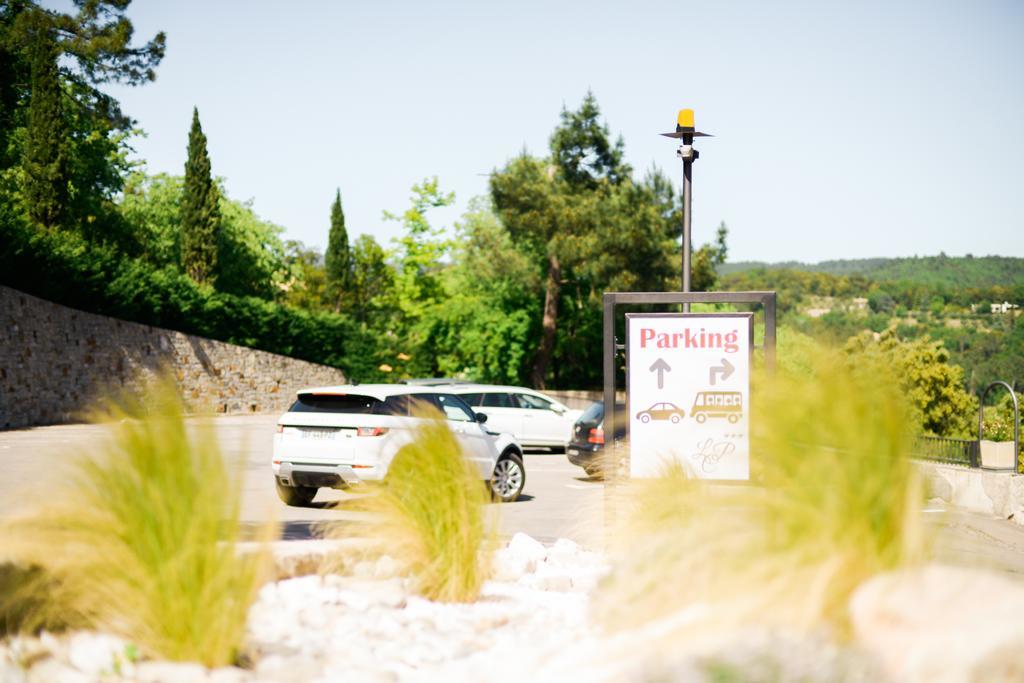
<point>531,417</point>
<point>342,435</point>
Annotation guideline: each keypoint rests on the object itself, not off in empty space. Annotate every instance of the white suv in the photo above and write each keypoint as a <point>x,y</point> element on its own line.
<point>531,417</point>
<point>342,435</point>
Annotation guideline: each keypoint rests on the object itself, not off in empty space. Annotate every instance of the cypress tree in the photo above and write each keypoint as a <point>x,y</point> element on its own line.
<point>200,215</point>
<point>45,153</point>
<point>338,259</point>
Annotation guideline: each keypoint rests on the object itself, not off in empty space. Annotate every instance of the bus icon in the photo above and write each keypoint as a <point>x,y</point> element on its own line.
<point>727,404</point>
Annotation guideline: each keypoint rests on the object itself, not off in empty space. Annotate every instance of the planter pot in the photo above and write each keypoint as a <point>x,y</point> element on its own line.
<point>998,454</point>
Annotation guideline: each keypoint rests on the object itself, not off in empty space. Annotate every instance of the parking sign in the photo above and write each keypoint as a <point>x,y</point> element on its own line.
<point>688,392</point>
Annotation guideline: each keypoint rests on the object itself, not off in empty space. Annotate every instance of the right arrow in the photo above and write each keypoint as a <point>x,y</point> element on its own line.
<point>661,367</point>
<point>725,370</point>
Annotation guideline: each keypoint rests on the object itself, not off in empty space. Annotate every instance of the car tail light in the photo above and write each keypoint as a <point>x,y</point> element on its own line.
<point>280,428</point>
<point>371,431</point>
<point>596,435</point>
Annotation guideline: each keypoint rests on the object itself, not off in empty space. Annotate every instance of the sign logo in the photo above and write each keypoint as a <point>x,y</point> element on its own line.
<point>688,391</point>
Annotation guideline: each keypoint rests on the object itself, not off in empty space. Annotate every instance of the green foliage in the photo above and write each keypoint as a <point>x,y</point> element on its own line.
<point>419,251</point>
<point>372,279</point>
<point>338,258</point>
<point>253,259</point>
<point>68,151</point>
<point>482,330</point>
<point>922,369</point>
<point>307,288</point>
<point>707,259</point>
<point>100,279</point>
<point>582,150</point>
<point>147,533</point>
<point>838,502</point>
<point>152,206</point>
<point>934,272</point>
<point>589,227</point>
<point>200,214</point>
<point>45,158</point>
<point>429,516</point>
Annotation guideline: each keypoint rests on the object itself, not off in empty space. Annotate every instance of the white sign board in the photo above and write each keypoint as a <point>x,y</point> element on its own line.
<point>688,392</point>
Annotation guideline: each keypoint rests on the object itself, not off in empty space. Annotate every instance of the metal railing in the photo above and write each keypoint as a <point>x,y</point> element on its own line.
<point>954,451</point>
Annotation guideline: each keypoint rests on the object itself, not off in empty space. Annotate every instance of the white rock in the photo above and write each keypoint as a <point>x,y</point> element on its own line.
<point>528,548</point>
<point>297,669</point>
<point>548,578</point>
<point>52,671</point>
<point>385,567</point>
<point>942,624</point>
<point>169,672</point>
<point>95,653</point>
<point>364,569</point>
<point>9,673</point>
<point>510,567</point>
<point>228,674</point>
<point>564,552</point>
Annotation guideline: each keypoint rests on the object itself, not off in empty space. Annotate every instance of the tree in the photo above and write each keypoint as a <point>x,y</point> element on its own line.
<point>590,227</point>
<point>482,330</point>
<point>200,215</point>
<point>372,278</point>
<point>49,58</point>
<point>419,251</point>
<point>45,184</point>
<point>704,273</point>
<point>338,258</point>
<point>582,150</point>
<point>934,386</point>
<point>307,289</point>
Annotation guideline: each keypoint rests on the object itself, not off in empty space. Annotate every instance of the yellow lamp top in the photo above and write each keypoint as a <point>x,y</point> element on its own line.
<point>685,126</point>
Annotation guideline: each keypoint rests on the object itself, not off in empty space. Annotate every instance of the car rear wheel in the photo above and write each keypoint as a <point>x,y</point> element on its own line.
<point>508,479</point>
<point>296,496</point>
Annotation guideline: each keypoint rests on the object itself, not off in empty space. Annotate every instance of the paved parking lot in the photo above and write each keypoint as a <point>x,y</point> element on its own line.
<point>559,499</point>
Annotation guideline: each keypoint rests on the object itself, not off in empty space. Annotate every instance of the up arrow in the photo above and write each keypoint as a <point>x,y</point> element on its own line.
<point>661,367</point>
<point>725,370</point>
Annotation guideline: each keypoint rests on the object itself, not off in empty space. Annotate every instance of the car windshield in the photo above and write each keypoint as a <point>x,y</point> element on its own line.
<point>594,413</point>
<point>535,402</point>
<point>453,407</point>
<point>334,403</point>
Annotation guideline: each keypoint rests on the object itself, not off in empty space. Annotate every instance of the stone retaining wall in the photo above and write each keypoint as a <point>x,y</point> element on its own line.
<point>56,361</point>
<point>581,399</point>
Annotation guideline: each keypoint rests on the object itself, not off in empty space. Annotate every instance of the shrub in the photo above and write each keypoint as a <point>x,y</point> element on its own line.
<point>835,501</point>
<point>140,541</point>
<point>429,516</point>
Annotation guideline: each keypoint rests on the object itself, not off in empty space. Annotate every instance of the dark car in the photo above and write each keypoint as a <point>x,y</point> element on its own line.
<point>587,445</point>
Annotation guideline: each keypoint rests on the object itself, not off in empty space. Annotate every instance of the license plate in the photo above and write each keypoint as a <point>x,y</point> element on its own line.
<point>574,451</point>
<point>319,434</point>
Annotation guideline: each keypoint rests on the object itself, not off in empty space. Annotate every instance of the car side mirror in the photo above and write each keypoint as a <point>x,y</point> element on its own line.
<point>480,417</point>
<point>558,410</point>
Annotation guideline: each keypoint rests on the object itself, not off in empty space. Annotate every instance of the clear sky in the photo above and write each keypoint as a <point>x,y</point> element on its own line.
<point>844,129</point>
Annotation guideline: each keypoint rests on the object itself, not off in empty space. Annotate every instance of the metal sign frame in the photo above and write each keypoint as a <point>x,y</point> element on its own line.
<point>611,300</point>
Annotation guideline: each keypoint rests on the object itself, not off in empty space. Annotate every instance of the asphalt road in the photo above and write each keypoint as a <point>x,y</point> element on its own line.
<point>559,499</point>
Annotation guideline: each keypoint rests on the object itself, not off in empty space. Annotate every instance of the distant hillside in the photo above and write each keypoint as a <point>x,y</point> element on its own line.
<point>936,271</point>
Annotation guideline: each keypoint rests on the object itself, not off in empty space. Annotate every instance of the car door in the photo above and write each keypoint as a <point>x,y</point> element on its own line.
<point>476,444</point>
<point>503,414</point>
<point>541,423</point>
